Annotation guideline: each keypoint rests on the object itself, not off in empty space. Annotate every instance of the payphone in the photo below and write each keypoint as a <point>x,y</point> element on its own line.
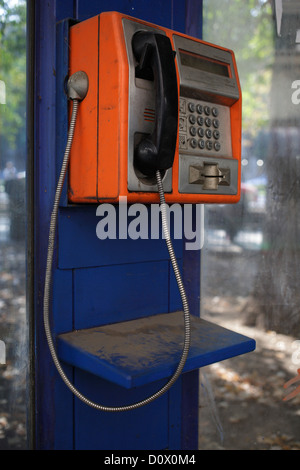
<point>155,117</point>
<point>158,100</point>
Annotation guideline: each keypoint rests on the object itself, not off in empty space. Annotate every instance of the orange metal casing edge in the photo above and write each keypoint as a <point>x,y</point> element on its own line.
<point>98,158</point>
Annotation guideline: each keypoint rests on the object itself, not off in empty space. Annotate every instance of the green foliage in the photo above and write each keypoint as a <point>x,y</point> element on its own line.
<point>246,27</point>
<point>13,74</point>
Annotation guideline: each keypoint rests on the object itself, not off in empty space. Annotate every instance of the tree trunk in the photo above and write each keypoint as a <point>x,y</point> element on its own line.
<point>277,292</point>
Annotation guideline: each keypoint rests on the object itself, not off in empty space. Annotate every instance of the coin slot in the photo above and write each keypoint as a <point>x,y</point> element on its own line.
<point>209,176</point>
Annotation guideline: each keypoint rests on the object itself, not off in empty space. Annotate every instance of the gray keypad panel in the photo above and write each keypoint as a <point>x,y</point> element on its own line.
<point>204,128</point>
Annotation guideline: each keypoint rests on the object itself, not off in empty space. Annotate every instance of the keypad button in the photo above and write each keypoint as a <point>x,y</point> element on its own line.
<point>199,108</point>
<point>200,120</point>
<point>201,144</point>
<point>209,144</point>
<point>216,134</point>
<point>193,131</point>
<point>216,123</point>
<point>191,107</point>
<point>215,112</point>
<point>217,146</point>
<point>193,143</point>
<point>192,119</point>
<point>208,133</point>
<point>207,110</point>
<point>200,132</point>
<point>208,122</point>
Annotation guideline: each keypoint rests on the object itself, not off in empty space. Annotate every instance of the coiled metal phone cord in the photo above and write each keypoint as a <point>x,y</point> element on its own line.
<point>48,278</point>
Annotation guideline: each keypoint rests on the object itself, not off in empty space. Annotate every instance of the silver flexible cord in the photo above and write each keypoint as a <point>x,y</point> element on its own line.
<point>48,278</point>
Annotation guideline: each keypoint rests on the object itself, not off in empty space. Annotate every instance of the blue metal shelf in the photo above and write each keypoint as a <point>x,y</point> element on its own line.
<point>138,352</point>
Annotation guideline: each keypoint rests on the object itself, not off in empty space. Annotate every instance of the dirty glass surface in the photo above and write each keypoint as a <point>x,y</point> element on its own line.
<point>13,329</point>
<point>251,256</point>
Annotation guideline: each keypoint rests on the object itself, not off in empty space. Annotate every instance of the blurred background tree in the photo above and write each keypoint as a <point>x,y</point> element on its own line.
<point>249,32</point>
<point>265,36</point>
<point>13,75</point>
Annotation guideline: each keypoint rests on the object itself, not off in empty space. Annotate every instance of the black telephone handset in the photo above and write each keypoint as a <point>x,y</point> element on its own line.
<point>156,61</point>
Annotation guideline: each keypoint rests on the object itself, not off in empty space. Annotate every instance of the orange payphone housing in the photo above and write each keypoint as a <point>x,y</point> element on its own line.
<point>122,109</point>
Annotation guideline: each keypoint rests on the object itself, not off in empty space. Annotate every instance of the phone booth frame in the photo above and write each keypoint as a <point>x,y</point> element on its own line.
<point>88,275</point>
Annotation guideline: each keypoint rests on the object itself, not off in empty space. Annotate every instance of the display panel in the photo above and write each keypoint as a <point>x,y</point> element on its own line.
<point>203,63</point>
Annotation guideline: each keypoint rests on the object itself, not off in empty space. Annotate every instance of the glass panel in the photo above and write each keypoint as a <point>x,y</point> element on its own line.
<point>251,257</point>
<point>13,325</point>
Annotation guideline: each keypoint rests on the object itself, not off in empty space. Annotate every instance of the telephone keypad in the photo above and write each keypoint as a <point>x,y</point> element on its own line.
<point>204,133</point>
